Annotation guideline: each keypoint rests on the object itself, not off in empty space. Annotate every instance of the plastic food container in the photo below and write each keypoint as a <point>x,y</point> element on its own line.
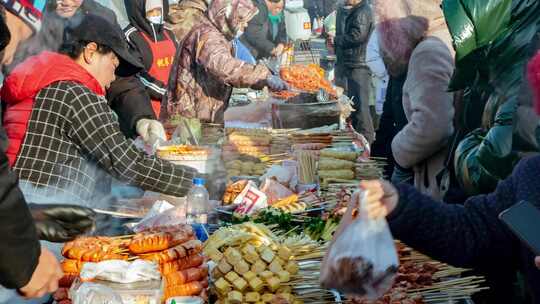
<point>205,163</point>
<point>185,300</point>
<point>135,293</point>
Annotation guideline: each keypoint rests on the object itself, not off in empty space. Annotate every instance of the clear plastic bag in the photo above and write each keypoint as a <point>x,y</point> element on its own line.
<point>90,293</point>
<point>170,217</point>
<point>121,271</point>
<point>362,259</point>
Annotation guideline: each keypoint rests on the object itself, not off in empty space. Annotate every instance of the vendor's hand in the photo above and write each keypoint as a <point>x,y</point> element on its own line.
<point>45,277</point>
<point>382,198</point>
<point>537,261</point>
<point>151,131</point>
<point>276,84</point>
<point>278,50</point>
<point>61,223</point>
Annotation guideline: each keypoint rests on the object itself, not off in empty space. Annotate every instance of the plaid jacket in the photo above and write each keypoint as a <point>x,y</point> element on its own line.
<point>73,136</point>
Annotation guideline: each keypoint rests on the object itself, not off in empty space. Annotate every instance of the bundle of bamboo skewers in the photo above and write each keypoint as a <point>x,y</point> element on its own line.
<point>448,285</point>
<point>307,167</point>
<point>372,168</point>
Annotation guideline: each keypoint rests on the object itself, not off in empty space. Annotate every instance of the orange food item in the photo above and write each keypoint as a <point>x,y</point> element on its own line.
<point>233,190</point>
<point>93,255</point>
<point>181,251</point>
<point>184,290</point>
<point>186,276</point>
<point>308,78</point>
<point>182,150</point>
<point>95,249</point>
<point>71,266</point>
<point>285,94</point>
<point>152,242</point>
<point>181,264</point>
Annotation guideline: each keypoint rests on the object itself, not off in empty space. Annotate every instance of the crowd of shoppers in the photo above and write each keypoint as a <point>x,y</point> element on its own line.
<point>77,90</point>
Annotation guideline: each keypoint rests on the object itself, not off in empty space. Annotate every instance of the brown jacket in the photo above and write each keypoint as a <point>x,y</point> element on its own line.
<point>207,70</point>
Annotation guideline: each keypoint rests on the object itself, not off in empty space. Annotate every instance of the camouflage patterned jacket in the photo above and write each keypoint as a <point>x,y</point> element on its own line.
<point>206,68</point>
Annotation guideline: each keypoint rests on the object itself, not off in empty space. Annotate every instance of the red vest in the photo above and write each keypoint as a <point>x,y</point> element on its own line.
<point>24,83</point>
<point>163,55</point>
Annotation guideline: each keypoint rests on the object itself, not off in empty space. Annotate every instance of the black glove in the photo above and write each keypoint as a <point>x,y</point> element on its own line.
<point>61,223</point>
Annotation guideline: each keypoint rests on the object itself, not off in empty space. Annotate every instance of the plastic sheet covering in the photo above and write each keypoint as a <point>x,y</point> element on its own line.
<point>91,293</point>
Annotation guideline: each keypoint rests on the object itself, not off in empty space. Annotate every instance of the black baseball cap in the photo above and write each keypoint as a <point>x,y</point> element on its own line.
<point>94,28</point>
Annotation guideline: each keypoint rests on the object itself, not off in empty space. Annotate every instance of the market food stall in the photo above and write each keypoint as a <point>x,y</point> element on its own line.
<point>287,189</point>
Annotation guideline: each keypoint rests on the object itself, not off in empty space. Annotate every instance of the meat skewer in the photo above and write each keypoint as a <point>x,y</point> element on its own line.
<point>186,276</point>
<point>185,263</point>
<point>189,248</point>
<point>153,242</point>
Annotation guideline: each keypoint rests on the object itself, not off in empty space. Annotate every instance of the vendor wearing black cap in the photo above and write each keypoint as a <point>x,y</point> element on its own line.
<point>70,134</point>
<point>266,34</point>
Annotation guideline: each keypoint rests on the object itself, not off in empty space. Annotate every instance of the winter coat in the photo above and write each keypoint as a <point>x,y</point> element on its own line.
<point>259,35</point>
<point>186,14</point>
<point>416,41</point>
<point>20,254</point>
<point>207,69</point>
<point>50,36</point>
<point>353,41</point>
<point>471,235</point>
<point>392,120</point>
<point>137,33</point>
<point>129,107</point>
<point>130,100</point>
<point>72,136</point>
<point>341,16</point>
<point>320,8</point>
<point>378,71</point>
<point>18,94</point>
<point>422,144</point>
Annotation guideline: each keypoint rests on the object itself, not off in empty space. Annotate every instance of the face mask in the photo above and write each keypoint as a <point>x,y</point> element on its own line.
<point>155,19</point>
<point>239,34</point>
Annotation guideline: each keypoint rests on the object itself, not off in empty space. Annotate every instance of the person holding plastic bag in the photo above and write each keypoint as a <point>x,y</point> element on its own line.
<point>362,259</point>
<point>469,235</point>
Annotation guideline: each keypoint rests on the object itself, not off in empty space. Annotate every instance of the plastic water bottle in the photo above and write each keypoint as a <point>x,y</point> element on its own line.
<point>198,208</point>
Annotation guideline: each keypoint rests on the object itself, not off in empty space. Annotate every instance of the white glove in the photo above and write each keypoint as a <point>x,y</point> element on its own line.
<point>151,131</point>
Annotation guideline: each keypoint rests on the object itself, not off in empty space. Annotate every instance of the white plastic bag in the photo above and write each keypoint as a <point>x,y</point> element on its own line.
<point>120,271</point>
<point>170,217</point>
<point>250,200</point>
<point>275,190</point>
<point>362,259</point>
<point>91,293</point>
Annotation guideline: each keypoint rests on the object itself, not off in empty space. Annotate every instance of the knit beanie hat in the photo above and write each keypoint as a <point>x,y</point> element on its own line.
<point>30,11</point>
